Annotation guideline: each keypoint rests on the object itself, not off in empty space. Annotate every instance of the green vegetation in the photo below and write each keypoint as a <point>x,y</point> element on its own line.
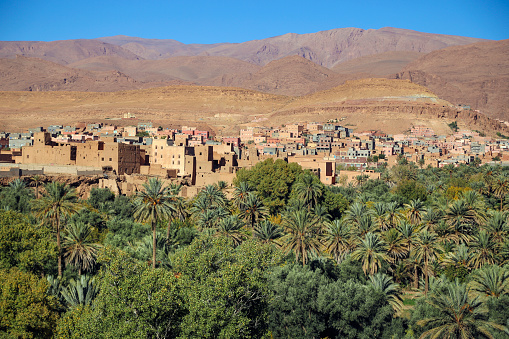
<point>419,253</point>
<point>453,126</point>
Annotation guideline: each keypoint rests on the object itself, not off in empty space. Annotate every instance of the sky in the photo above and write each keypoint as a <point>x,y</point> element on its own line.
<point>240,20</point>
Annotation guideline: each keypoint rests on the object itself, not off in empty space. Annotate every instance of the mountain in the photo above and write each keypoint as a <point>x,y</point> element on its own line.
<point>325,48</point>
<point>377,65</point>
<point>64,51</point>
<point>476,75</point>
<point>155,49</point>
<point>197,69</point>
<point>292,75</point>
<point>33,74</point>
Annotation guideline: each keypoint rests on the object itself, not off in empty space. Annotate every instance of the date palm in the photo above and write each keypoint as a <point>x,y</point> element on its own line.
<point>231,228</point>
<point>459,315</point>
<point>268,232</point>
<point>371,252</point>
<point>431,218</point>
<point>355,213</point>
<point>426,250</point>
<point>483,248</point>
<point>80,247</point>
<point>459,213</point>
<point>396,248</point>
<point>338,241</point>
<point>309,189</point>
<point>460,257</point>
<point>58,201</point>
<point>253,209</point>
<point>302,230</point>
<point>498,225</point>
<point>392,214</point>
<point>213,196</point>
<point>415,211</point>
<point>378,212</point>
<point>241,192</point>
<point>490,281</point>
<point>501,189</point>
<point>36,179</point>
<point>383,283</point>
<point>153,204</point>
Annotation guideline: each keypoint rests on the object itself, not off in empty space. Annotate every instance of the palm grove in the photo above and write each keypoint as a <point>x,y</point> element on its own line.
<point>419,253</point>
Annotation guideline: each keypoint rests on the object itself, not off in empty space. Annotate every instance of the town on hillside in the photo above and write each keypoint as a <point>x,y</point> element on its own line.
<point>335,153</point>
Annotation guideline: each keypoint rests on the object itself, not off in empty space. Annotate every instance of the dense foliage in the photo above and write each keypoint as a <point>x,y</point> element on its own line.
<point>417,253</point>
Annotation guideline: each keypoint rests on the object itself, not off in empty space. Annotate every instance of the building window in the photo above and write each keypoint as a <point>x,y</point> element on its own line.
<point>102,159</point>
<point>179,162</point>
<point>110,159</point>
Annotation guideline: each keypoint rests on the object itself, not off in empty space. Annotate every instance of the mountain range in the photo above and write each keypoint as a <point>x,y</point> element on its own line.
<point>460,70</point>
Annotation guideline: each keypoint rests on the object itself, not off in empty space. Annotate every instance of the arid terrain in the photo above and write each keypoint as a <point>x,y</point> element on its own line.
<point>297,77</point>
<point>389,105</point>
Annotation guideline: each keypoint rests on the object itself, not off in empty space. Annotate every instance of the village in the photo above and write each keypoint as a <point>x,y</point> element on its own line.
<point>336,154</point>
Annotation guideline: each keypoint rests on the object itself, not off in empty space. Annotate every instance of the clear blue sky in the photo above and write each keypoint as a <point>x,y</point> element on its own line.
<point>237,21</point>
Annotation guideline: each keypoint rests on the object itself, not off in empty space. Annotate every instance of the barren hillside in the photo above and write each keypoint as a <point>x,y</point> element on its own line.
<point>390,105</point>
<point>197,69</point>
<point>475,75</point>
<point>377,65</point>
<point>64,51</point>
<point>325,48</point>
<point>33,74</point>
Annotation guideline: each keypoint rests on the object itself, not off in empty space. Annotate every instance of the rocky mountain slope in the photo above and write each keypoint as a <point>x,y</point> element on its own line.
<point>33,74</point>
<point>476,75</point>
<point>325,48</point>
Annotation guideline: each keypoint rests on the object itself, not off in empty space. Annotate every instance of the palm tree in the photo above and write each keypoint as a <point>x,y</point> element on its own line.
<point>58,200</point>
<point>321,213</point>
<point>241,192</point>
<point>383,283</point>
<point>213,196</point>
<point>483,249</point>
<point>36,179</point>
<point>460,316</point>
<point>364,226</point>
<point>501,189</point>
<point>179,205</point>
<point>378,211</point>
<point>268,232</point>
<point>309,189</point>
<point>253,209</point>
<point>415,210</point>
<point>337,239</point>
<point>431,218</point>
<point>475,203</point>
<point>16,196</point>
<point>490,281</point>
<point>355,213</point>
<point>498,226</point>
<point>152,204</point>
<point>392,215</point>
<point>372,252</point>
<point>79,245</point>
<point>231,227</point>
<point>302,229</point>
<point>460,257</point>
<point>222,185</point>
<point>459,213</point>
<point>396,248</point>
<point>427,251</point>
